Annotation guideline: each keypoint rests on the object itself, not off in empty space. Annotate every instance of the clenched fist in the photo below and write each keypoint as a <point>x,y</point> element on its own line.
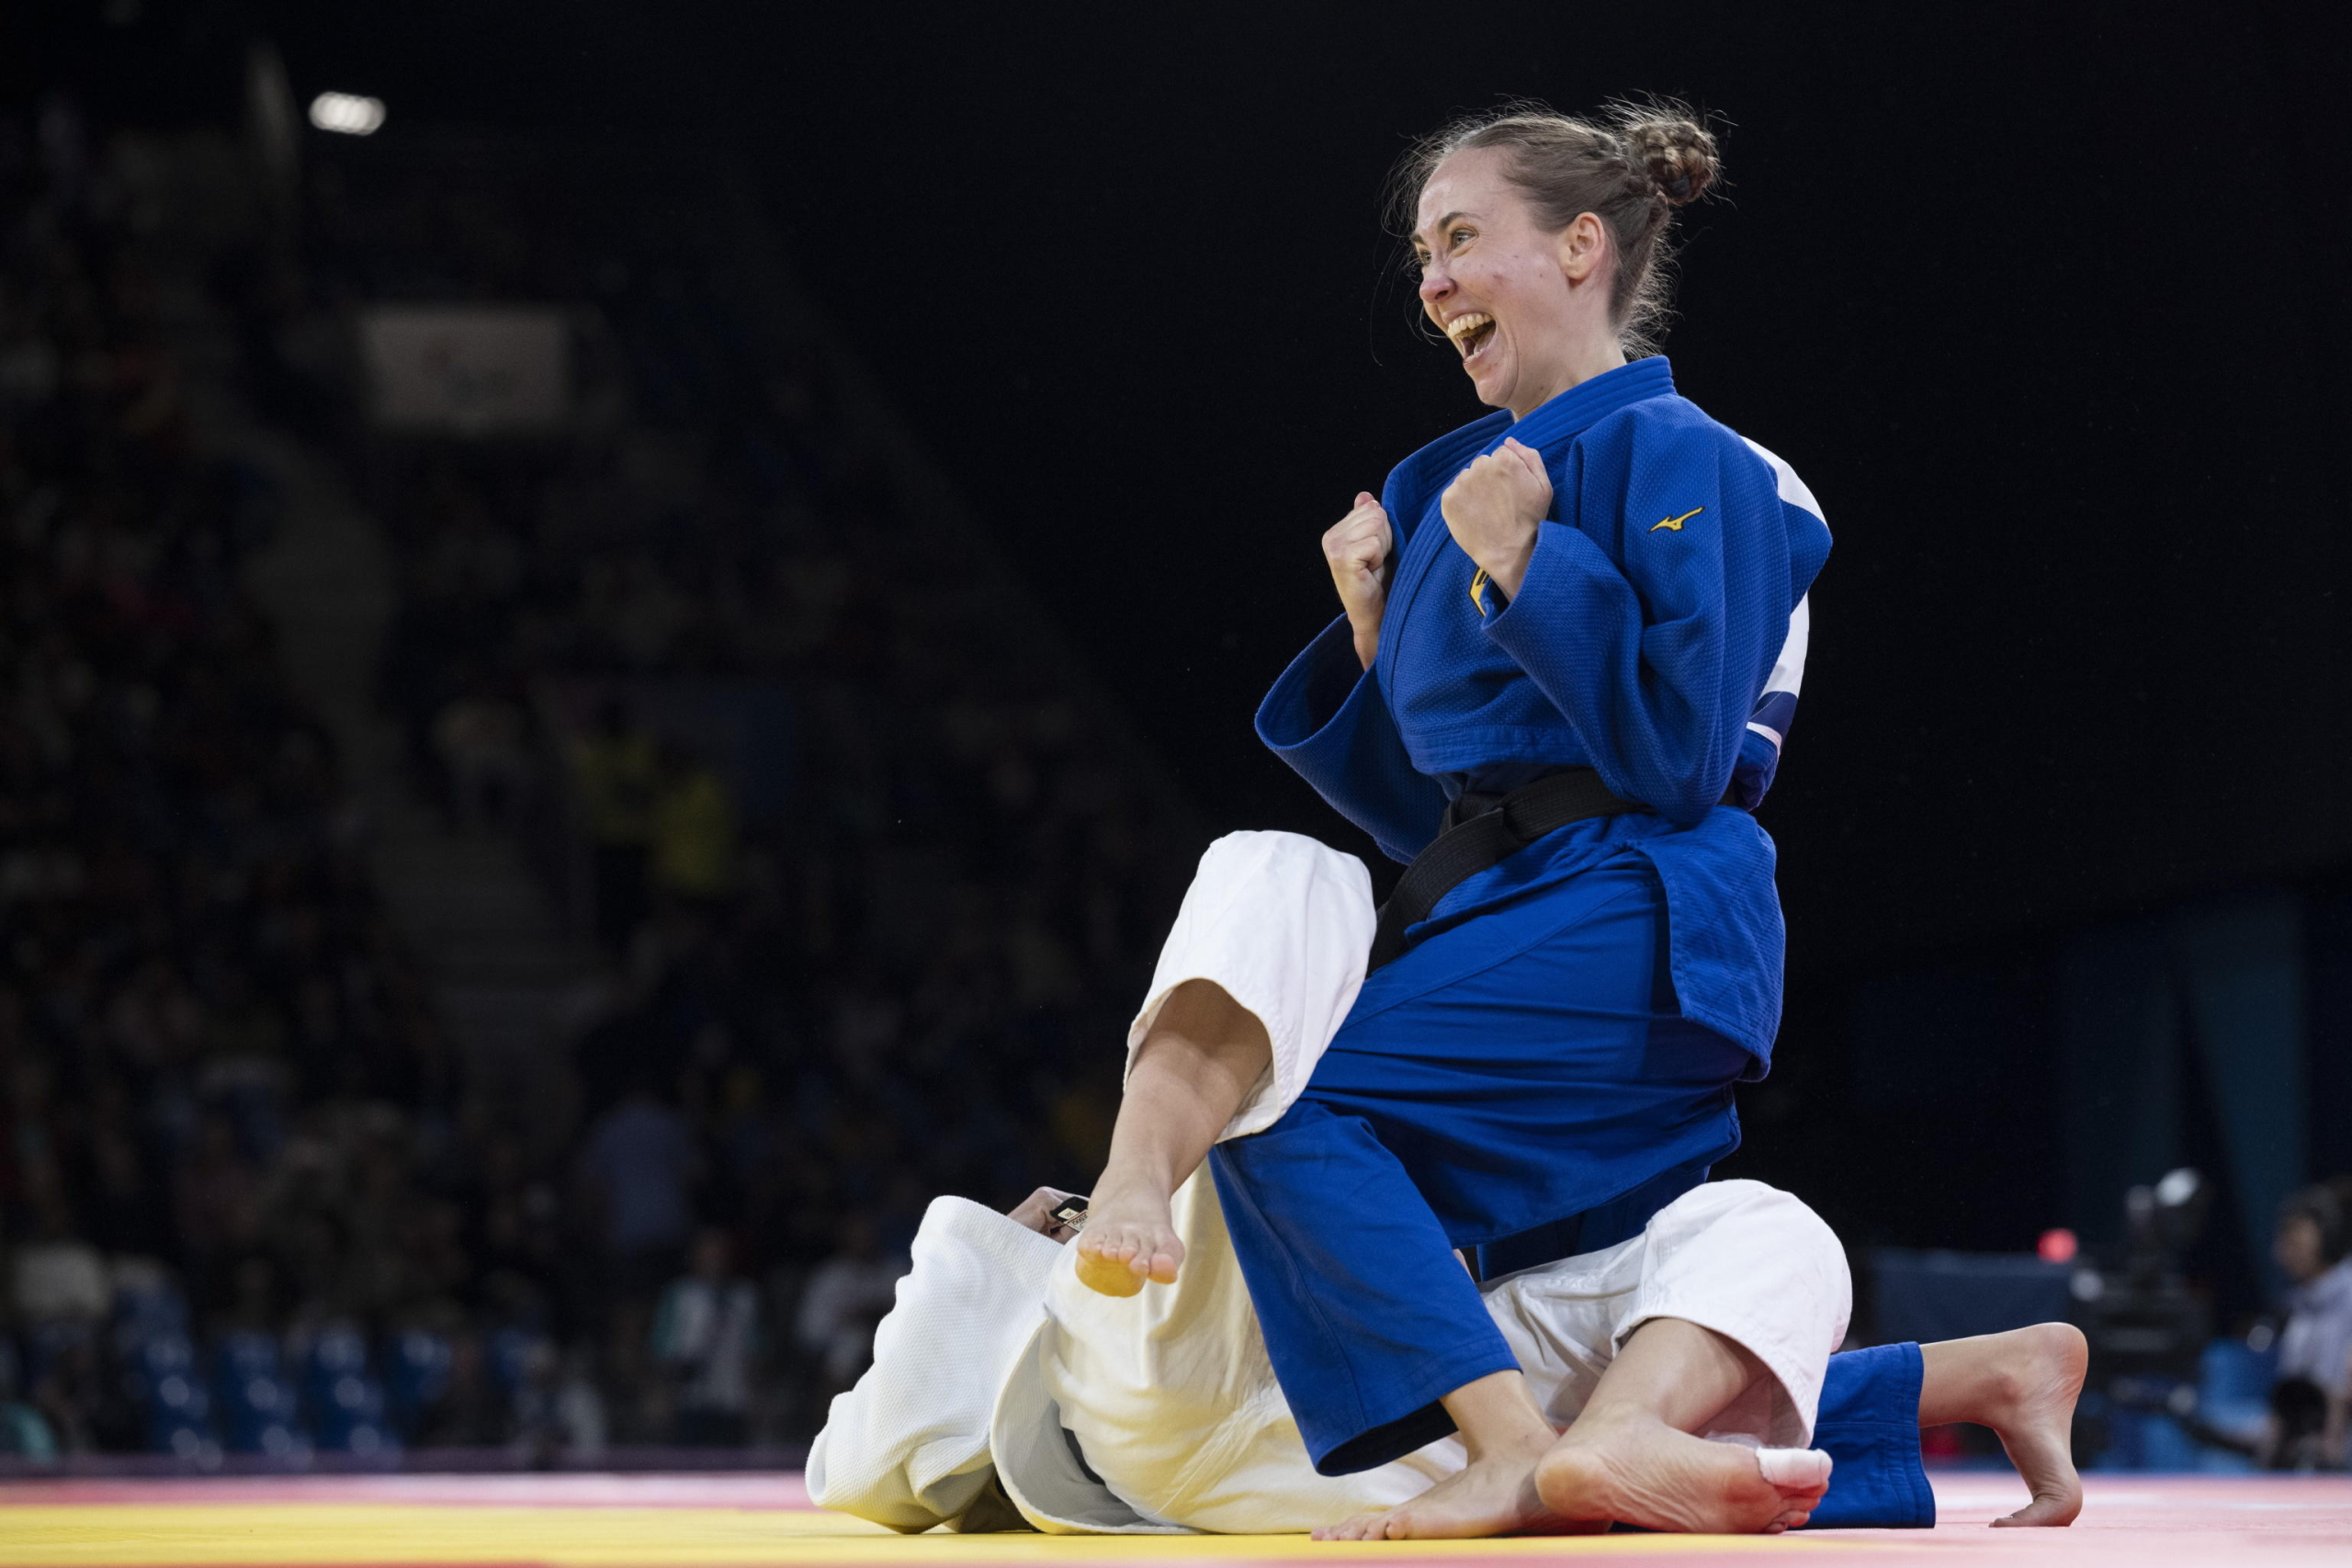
<point>1359,549</point>
<point>1492,508</point>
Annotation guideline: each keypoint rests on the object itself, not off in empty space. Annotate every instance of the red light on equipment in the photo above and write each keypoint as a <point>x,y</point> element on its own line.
<point>2056,1246</point>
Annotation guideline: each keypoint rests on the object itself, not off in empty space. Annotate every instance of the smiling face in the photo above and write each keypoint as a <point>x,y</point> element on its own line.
<point>1528,312</point>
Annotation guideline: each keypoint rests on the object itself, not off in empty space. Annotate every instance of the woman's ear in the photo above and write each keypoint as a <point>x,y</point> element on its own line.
<point>1581,245</point>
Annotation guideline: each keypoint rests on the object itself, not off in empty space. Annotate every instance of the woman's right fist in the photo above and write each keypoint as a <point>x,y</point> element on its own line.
<point>1358,549</point>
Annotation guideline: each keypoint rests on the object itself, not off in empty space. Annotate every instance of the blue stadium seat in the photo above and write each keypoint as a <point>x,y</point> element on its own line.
<point>419,1377</point>
<point>346,1404</point>
<point>154,1356</point>
<point>179,1411</point>
<point>259,1410</point>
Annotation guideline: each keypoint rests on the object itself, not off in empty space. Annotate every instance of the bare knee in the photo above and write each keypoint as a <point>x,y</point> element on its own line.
<point>1200,1021</point>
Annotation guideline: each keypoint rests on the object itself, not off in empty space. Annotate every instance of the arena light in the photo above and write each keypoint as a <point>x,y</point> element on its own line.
<point>347,113</point>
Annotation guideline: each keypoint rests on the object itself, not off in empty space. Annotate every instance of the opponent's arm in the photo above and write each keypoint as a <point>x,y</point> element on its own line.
<point>908,1446</point>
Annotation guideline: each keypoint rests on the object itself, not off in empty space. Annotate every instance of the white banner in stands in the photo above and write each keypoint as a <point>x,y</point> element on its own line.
<point>467,369</point>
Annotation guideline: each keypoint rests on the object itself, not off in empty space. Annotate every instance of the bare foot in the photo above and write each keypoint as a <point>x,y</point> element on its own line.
<point>1495,1494</point>
<point>1128,1238</point>
<point>1639,1471</point>
<point>2034,1416</point>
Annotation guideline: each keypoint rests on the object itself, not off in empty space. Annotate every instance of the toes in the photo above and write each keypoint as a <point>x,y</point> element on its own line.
<point>1795,1470</point>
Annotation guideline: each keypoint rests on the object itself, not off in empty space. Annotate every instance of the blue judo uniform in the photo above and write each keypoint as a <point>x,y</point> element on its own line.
<point>1553,1058</point>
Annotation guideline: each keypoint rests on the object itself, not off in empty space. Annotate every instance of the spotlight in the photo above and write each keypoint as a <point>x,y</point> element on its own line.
<point>347,113</point>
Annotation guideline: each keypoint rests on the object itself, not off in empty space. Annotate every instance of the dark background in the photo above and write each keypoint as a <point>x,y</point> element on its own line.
<point>2044,303</point>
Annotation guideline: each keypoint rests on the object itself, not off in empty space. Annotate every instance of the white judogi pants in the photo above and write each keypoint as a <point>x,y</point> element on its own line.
<point>997,1362</point>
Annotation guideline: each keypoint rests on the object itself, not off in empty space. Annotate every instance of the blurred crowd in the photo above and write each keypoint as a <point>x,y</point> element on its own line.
<point>876,885</point>
<point>220,1083</point>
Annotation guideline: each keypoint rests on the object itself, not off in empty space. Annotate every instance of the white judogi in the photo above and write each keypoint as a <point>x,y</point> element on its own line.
<point>999,1378</point>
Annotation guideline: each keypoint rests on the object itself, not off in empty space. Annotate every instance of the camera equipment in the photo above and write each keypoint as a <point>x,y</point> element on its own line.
<point>2147,1332</point>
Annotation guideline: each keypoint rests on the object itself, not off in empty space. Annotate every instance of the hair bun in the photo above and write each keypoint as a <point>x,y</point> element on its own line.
<point>1677,151</point>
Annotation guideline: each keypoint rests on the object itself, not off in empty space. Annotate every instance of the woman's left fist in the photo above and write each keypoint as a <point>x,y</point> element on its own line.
<point>1492,508</point>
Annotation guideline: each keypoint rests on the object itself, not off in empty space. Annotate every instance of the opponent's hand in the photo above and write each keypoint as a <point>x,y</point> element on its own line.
<point>1359,549</point>
<point>1036,1211</point>
<point>1492,508</point>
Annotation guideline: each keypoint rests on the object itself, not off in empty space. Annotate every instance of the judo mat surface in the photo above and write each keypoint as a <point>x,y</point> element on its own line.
<point>743,1521</point>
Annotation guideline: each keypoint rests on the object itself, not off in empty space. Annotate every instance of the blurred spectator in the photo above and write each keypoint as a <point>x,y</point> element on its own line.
<point>217,1194</point>
<point>636,1173</point>
<point>2310,1399</point>
<point>638,1169</point>
<point>846,1296</point>
<point>695,844</point>
<point>24,1435</point>
<point>472,1412</point>
<point>481,739</point>
<point>707,1337</point>
<point>80,1402</point>
<point>616,770</point>
<point>60,1279</point>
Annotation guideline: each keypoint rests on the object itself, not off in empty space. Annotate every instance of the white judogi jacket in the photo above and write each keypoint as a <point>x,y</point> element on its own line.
<point>1003,1392</point>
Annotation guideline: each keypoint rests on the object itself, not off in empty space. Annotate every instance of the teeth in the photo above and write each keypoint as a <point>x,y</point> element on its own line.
<point>1463,326</point>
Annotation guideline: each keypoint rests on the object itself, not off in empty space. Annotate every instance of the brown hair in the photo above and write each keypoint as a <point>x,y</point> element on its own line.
<point>1630,166</point>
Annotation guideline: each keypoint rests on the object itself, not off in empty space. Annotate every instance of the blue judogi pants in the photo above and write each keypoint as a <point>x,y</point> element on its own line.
<point>1511,1073</point>
<point>1869,1426</point>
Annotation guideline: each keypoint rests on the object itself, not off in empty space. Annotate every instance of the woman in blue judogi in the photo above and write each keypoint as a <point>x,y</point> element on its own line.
<point>1589,592</point>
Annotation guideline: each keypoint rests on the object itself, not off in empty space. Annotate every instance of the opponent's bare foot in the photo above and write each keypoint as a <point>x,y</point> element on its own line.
<point>1130,1238</point>
<point>1494,1495</point>
<point>1639,1471</point>
<point>2033,1414</point>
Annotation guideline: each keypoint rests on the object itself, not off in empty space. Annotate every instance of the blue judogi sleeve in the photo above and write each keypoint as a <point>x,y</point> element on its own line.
<point>1330,719</point>
<point>1652,614</point>
<point>1326,718</point>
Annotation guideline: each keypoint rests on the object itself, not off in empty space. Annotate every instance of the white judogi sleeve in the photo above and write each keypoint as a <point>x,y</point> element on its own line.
<point>908,1446</point>
<point>1284,924</point>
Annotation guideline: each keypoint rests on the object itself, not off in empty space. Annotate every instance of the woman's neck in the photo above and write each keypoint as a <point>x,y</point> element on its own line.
<point>1595,357</point>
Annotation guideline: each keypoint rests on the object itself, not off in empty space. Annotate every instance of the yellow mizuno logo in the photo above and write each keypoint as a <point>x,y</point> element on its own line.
<point>1675,523</point>
<point>1478,590</point>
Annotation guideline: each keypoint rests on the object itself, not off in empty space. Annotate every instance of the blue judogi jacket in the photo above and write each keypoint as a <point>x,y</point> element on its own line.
<point>1658,637</point>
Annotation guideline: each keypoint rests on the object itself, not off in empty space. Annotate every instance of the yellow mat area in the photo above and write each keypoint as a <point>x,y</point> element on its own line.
<point>169,1535</point>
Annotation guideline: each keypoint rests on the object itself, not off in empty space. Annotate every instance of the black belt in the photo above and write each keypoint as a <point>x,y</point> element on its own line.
<point>1483,830</point>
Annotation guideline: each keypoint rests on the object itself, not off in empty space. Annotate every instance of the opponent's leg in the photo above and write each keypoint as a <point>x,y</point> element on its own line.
<point>1505,1434</point>
<point>1631,1455</point>
<point>1201,1054</point>
<point>2022,1384</point>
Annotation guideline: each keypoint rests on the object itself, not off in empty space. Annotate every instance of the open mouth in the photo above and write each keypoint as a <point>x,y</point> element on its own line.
<point>1471,332</point>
